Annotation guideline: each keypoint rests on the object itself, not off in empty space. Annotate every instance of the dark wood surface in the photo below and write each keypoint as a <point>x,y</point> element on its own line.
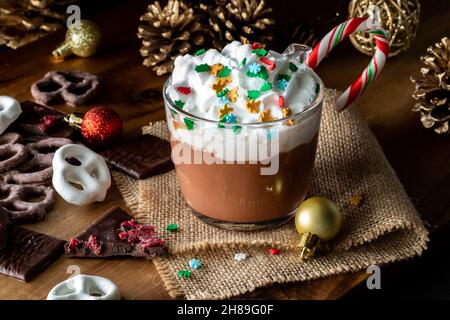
<point>420,157</point>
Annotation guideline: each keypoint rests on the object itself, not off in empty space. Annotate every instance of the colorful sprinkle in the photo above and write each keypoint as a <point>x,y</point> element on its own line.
<point>184,273</point>
<point>224,111</point>
<point>243,63</point>
<point>293,67</point>
<point>173,227</point>
<point>270,63</point>
<point>230,118</point>
<point>224,100</point>
<point>290,122</point>
<point>202,67</point>
<point>260,52</point>
<point>189,123</point>
<point>284,76</point>
<point>254,68</point>
<point>280,101</point>
<point>222,93</point>
<point>274,251</point>
<point>265,116</point>
<point>240,256</point>
<point>216,68</point>
<point>233,94</point>
<point>356,200</point>
<point>195,264</point>
<point>263,74</point>
<point>237,129</point>
<point>252,106</point>
<point>266,86</point>
<point>286,112</point>
<point>220,83</point>
<point>184,90</point>
<point>257,45</point>
<point>282,84</point>
<point>180,104</point>
<point>200,52</point>
<point>253,94</point>
<point>225,72</point>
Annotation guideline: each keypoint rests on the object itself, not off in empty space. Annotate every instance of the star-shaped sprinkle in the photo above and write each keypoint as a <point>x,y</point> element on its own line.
<point>253,94</point>
<point>282,84</point>
<point>233,94</point>
<point>224,100</point>
<point>200,52</point>
<point>215,69</point>
<point>252,106</point>
<point>180,104</point>
<point>240,256</point>
<point>254,68</point>
<point>220,83</point>
<point>356,200</point>
<point>265,116</point>
<point>173,227</point>
<point>230,118</point>
<point>184,90</point>
<point>286,112</point>
<point>224,111</point>
<point>184,273</point>
<point>195,264</point>
<point>202,67</point>
<point>225,72</point>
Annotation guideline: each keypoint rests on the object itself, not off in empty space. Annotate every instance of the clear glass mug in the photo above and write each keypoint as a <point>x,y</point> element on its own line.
<point>246,176</point>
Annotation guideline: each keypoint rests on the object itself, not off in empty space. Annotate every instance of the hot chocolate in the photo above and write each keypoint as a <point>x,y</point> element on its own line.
<point>244,124</point>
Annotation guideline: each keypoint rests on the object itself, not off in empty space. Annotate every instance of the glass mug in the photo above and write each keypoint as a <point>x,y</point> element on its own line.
<point>254,175</point>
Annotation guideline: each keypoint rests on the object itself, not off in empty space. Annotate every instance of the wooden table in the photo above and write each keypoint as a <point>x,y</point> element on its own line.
<point>420,157</point>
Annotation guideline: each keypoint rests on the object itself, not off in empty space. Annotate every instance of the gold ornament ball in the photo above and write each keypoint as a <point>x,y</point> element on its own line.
<point>399,17</point>
<point>317,219</point>
<point>82,41</point>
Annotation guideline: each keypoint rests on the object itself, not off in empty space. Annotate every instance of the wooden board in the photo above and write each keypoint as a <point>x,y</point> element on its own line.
<point>420,157</point>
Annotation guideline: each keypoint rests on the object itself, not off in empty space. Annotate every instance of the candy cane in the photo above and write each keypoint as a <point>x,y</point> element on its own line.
<point>373,69</point>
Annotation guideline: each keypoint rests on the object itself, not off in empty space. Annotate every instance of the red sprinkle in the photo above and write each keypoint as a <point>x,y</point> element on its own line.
<point>184,90</point>
<point>280,101</point>
<point>274,251</point>
<point>271,64</point>
<point>257,45</point>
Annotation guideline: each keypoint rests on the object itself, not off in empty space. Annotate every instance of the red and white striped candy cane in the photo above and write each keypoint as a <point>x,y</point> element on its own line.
<point>375,66</point>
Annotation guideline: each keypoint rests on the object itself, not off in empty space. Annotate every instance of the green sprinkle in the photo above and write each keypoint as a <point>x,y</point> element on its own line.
<point>293,67</point>
<point>200,52</point>
<point>284,76</point>
<point>260,52</point>
<point>264,74</point>
<point>189,123</point>
<point>223,93</point>
<point>243,63</point>
<point>202,67</point>
<point>172,227</point>
<point>225,72</point>
<point>184,273</point>
<point>266,86</point>
<point>179,104</point>
<point>237,129</point>
<point>253,94</point>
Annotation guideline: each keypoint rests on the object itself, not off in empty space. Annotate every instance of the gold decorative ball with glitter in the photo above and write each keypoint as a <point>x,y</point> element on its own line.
<point>83,40</point>
<point>317,219</point>
<point>399,17</point>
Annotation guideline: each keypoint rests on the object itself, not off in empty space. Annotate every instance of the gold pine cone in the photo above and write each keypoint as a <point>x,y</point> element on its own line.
<point>432,87</point>
<point>169,32</point>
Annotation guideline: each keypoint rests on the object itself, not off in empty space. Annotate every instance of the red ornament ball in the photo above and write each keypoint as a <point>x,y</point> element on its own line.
<point>101,126</point>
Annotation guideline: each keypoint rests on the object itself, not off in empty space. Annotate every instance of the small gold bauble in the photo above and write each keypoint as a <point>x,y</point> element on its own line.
<point>399,17</point>
<point>317,219</point>
<point>82,41</point>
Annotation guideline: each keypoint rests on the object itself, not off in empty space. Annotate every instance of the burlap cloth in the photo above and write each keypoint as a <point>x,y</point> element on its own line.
<point>384,228</point>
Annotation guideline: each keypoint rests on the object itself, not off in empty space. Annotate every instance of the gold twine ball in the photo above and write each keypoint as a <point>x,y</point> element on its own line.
<point>399,17</point>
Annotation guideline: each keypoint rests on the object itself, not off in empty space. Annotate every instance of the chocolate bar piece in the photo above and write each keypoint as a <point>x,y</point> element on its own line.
<point>142,157</point>
<point>41,120</point>
<point>116,233</point>
<point>4,221</point>
<point>28,253</point>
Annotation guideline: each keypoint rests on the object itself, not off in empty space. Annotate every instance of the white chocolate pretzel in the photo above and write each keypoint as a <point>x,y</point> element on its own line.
<point>85,287</point>
<point>10,110</point>
<point>91,175</point>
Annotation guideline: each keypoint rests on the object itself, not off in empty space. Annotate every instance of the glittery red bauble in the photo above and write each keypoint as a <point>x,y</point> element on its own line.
<point>101,126</point>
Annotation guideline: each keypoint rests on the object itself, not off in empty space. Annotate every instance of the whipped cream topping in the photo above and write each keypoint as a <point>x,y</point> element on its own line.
<point>255,85</point>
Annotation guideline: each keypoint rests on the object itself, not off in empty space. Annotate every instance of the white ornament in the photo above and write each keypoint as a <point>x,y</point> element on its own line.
<point>84,287</point>
<point>240,256</point>
<point>10,110</point>
<point>84,183</point>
